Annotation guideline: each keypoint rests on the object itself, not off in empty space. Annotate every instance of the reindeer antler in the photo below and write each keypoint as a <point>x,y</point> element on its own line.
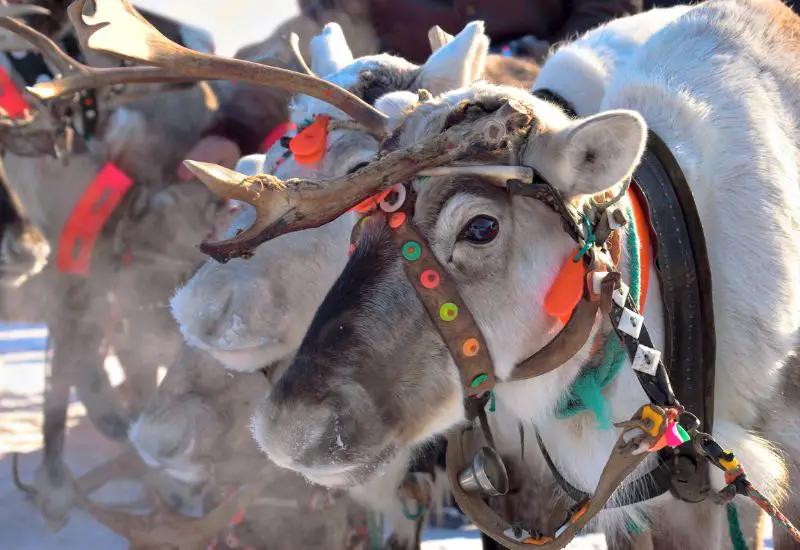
<point>286,206</point>
<point>80,76</point>
<point>166,528</point>
<point>21,10</point>
<point>116,28</point>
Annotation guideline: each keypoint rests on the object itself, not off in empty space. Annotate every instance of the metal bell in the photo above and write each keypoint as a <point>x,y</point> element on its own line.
<point>487,474</point>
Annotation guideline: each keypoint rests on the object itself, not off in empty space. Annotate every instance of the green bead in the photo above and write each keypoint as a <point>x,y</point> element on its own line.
<point>412,251</point>
<point>448,311</point>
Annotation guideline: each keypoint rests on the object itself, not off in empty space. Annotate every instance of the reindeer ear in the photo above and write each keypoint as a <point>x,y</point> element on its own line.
<point>396,105</point>
<point>598,152</point>
<point>458,63</point>
<point>329,50</point>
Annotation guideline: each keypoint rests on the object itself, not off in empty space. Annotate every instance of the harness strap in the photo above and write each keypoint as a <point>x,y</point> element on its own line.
<point>650,485</point>
<point>88,218</point>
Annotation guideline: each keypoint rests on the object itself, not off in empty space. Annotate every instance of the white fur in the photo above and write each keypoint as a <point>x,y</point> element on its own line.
<point>329,50</point>
<point>580,70</point>
<point>459,62</point>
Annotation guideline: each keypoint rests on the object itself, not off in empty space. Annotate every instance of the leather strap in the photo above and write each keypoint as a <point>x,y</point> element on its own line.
<point>685,277</point>
<point>88,218</point>
<point>564,346</point>
<point>650,485</point>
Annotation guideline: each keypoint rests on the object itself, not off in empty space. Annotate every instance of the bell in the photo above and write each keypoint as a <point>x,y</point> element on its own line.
<point>487,474</point>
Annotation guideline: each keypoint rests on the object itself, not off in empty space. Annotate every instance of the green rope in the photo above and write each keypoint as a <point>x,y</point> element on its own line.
<point>634,528</point>
<point>590,238</point>
<point>735,528</point>
<point>586,392</point>
<point>375,530</point>
<point>413,517</point>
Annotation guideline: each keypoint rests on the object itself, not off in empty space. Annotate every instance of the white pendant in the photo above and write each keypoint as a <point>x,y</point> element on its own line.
<point>630,323</point>
<point>646,360</point>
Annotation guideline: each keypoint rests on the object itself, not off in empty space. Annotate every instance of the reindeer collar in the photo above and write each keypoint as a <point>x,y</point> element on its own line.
<point>88,217</point>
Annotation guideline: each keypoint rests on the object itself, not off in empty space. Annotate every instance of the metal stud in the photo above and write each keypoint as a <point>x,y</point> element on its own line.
<point>630,323</point>
<point>620,294</point>
<point>646,360</point>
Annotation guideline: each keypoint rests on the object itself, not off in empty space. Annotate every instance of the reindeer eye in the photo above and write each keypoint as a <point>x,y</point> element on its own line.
<point>480,230</point>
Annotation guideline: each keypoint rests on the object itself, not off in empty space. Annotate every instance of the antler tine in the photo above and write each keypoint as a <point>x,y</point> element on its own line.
<point>62,62</point>
<point>294,44</point>
<point>116,28</point>
<point>165,527</point>
<point>79,76</point>
<point>21,10</point>
<point>294,205</point>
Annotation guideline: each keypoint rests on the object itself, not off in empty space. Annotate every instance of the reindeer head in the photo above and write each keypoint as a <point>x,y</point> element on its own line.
<point>373,374</point>
<point>198,420</point>
<point>252,313</point>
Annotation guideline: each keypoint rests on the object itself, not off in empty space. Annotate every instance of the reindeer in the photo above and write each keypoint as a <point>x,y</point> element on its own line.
<point>407,388</point>
<point>197,430</point>
<point>144,130</point>
<point>247,327</point>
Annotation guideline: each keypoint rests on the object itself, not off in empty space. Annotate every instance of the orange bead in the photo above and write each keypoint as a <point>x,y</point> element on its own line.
<point>397,219</point>
<point>471,347</point>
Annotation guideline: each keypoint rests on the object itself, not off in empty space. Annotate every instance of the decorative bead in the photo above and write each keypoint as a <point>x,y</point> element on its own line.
<point>363,221</point>
<point>351,250</point>
<point>429,278</point>
<point>411,251</point>
<point>675,435</point>
<point>394,199</point>
<point>397,219</point>
<point>448,311</point>
<point>620,294</point>
<point>471,347</point>
<point>631,323</point>
<point>646,360</point>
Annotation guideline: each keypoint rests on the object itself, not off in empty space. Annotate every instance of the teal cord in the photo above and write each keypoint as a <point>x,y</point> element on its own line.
<point>735,528</point>
<point>586,392</point>
<point>590,238</point>
<point>634,528</point>
<point>409,515</point>
<point>375,529</point>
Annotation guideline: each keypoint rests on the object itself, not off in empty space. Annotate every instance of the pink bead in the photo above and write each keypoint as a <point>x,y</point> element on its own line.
<point>673,438</point>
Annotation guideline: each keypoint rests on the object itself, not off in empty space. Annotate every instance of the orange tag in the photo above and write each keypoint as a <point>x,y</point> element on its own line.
<point>566,291</point>
<point>369,203</point>
<point>308,146</point>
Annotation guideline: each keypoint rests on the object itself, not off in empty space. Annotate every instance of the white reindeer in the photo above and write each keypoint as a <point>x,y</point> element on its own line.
<point>719,86</point>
